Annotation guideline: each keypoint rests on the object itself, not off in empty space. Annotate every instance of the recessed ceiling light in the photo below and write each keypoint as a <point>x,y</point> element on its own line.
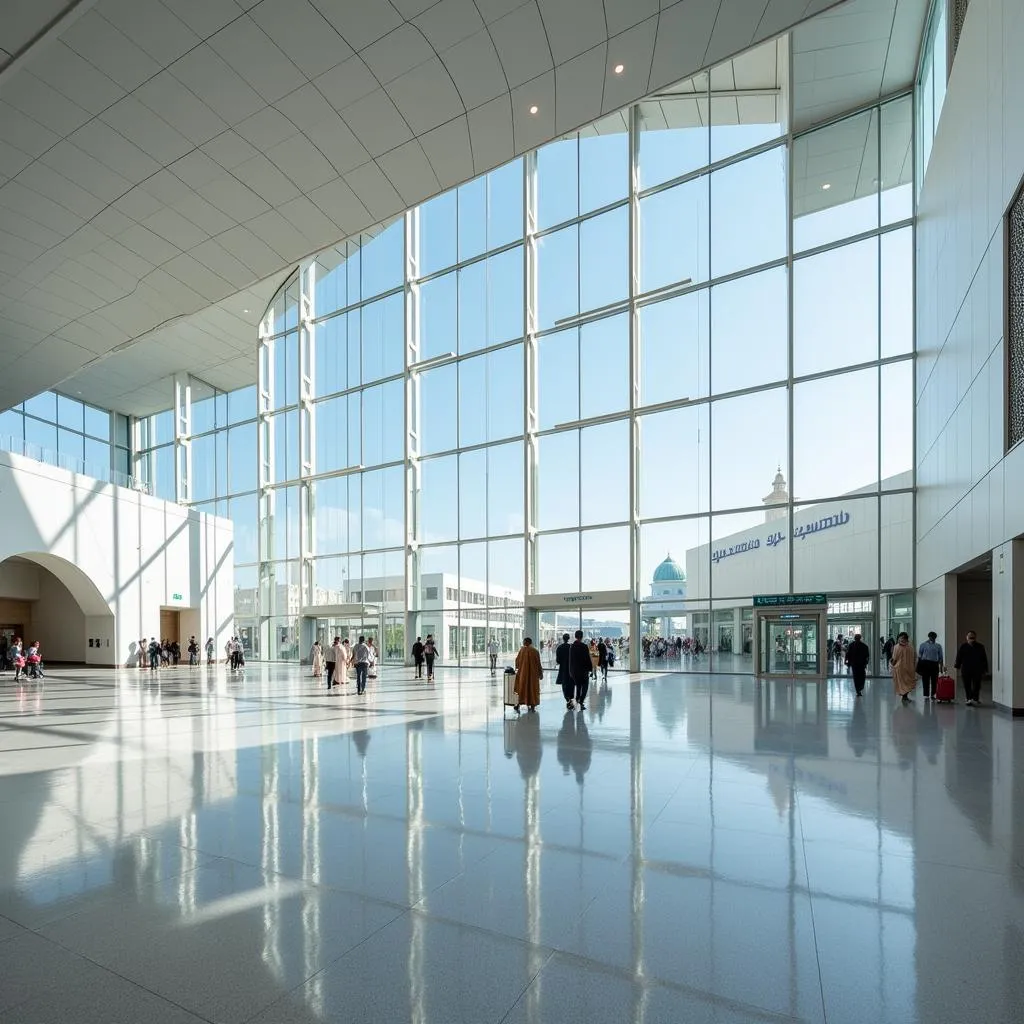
<point>619,68</point>
<point>534,109</point>
<point>825,187</point>
<point>245,311</point>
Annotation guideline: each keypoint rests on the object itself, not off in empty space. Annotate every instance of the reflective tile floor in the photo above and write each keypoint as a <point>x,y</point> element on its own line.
<point>200,847</point>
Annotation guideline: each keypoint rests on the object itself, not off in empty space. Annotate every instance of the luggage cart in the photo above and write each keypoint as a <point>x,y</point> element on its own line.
<point>511,698</point>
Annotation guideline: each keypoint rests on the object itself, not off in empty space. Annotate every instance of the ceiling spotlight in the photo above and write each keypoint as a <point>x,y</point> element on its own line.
<point>245,311</point>
<point>619,68</point>
<point>534,109</point>
<point>825,187</point>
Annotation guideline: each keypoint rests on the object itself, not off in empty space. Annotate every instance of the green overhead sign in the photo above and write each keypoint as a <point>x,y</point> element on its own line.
<point>789,600</point>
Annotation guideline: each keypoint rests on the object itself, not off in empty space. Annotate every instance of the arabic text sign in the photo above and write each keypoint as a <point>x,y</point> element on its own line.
<point>788,600</point>
<point>800,532</point>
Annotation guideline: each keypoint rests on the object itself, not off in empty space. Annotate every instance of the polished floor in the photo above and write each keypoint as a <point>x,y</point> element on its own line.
<point>195,846</point>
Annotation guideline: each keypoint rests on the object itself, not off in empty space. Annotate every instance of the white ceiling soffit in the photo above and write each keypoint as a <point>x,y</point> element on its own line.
<point>159,156</point>
<point>854,54</point>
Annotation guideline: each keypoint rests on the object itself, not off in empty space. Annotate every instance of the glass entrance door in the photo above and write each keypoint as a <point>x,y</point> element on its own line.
<point>790,645</point>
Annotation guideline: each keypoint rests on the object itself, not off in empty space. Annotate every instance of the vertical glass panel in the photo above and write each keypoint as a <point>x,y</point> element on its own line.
<point>897,425</point>
<point>750,440</point>
<point>558,292</point>
<point>163,473</point>
<point>897,182</point>
<point>439,499</point>
<point>286,370</point>
<point>204,417</point>
<point>835,308</point>
<point>70,413</point>
<point>383,418</point>
<point>41,436</point>
<point>835,181</point>
<point>604,366</point>
<point>243,513</point>
<point>473,486</point>
<point>12,428</point>
<point>749,554</point>
<point>384,259</point>
<point>604,162</point>
<point>163,427</point>
<point>70,445</point>
<point>748,99</point>
<point>242,404</point>
<point>332,440</point>
<point>674,235</point>
<point>504,489</point>
<point>491,210</point>
<point>558,497</point>
<point>491,301</point>
<point>204,468</point>
<point>557,182</point>
<point>674,136</point>
<point>473,401</point>
<point>383,337</point>
<point>121,427</point>
<point>438,233</point>
<point>242,458</point>
<point>43,406</point>
<point>336,514</point>
<point>438,409</point>
<point>835,451</point>
<point>331,288</point>
<point>439,325</point>
<point>604,259</point>
<point>675,462</point>
<point>505,571</point>
<point>897,541</point>
<point>604,457</point>
<point>383,509</point>
<point>674,349</point>
<point>835,546</point>
<point>750,192</point>
<point>679,549</point>
<point>286,445</point>
<point>558,378</point>
<point>505,393</point>
<point>332,353</point>
<point>750,331</point>
<point>97,423</point>
<point>604,561</point>
<point>558,563</point>
<point>897,280</point>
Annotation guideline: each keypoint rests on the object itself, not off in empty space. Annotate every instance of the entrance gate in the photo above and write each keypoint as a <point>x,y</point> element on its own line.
<point>790,635</point>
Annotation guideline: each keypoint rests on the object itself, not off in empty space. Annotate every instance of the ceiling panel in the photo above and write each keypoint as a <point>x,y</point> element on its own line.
<point>163,155</point>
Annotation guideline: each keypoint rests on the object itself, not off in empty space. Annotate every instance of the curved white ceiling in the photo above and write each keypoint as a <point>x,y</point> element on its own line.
<point>158,157</point>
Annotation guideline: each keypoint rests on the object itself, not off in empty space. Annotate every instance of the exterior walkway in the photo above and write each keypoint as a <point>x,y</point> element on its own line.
<point>194,846</point>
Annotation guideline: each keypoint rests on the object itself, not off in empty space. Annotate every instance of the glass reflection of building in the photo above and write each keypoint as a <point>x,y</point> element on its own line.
<point>545,379</point>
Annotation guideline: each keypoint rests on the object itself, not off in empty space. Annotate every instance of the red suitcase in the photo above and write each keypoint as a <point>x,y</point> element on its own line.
<point>945,689</point>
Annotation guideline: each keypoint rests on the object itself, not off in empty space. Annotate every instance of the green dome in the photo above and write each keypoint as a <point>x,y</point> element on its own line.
<point>670,571</point>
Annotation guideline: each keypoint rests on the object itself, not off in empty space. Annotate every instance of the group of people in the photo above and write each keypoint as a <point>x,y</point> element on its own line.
<point>929,663</point>
<point>424,653</point>
<point>340,657</point>
<point>27,663</point>
<point>157,653</point>
<point>577,663</point>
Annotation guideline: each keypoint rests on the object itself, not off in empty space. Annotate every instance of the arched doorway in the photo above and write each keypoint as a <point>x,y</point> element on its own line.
<point>47,598</point>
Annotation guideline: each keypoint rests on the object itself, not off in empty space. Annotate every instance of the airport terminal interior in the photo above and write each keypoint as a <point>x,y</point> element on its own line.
<point>693,328</point>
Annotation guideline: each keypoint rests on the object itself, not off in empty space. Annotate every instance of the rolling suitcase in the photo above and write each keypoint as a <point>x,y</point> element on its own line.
<point>945,689</point>
<point>511,698</point>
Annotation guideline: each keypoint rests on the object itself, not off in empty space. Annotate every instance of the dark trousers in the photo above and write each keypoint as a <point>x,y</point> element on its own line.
<point>582,688</point>
<point>568,688</point>
<point>859,674</point>
<point>430,667</point>
<point>154,660</point>
<point>419,667</point>
<point>494,662</point>
<point>361,669</point>
<point>330,673</point>
<point>972,685</point>
<point>929,677</point>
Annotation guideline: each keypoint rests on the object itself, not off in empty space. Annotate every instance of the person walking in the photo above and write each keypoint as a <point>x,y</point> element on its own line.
<point>16,653</point>
<point>344,661</point>
<point>594,659</point>
<point>210,648</point>
<point>564,680</point>
<point>154,654</point>
<point>972,661</point>
<point>429,654</point>
<point>331,662</point>
<point>316,659</point>
<point>579,669</point>
<point>904,671</point>
<point>602,659</point>
<point>417,657</point>
<point>529,673</point>
<point>492,653</point>
<point>857,657</point>
<point>361,659</point>
<point>372,670</point>
<point>193,652</point>
<point>930,660</point>
<point>34,660</point>
<point>887,649</point>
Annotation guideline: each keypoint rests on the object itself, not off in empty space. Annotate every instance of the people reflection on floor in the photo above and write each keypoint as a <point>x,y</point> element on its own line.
<point>857,657</point>
<point>529,673</point>
<point>601,700</point>
<point>417,657</point>
<point>579,669</point>
<point>929,735</point>
<point>564,679</point>
<point>972,661</point>
<point>857,729</point>
<point>522,738</point>
<point>904,730</point>
<point>904,668</point>
<point>575,747</point>
<point>361,738</point>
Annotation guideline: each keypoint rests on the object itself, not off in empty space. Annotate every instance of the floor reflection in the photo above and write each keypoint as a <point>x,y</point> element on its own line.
<point>688,848</point>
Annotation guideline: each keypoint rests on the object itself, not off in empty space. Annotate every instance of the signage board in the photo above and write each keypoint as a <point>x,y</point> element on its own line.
<point>175,597</point>
<point>789,600</point>
<point>595,599</point>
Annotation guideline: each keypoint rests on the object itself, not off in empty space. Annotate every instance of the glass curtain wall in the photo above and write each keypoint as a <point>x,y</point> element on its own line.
<point>670,354</point>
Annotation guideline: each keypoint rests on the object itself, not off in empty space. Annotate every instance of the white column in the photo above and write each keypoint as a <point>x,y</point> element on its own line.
<point>182,438</point>
<point>413,582</point>
<point>1006,655</point>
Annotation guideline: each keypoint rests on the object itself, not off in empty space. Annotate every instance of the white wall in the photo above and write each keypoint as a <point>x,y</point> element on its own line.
<point>120,553</point>
<point>970,495</point>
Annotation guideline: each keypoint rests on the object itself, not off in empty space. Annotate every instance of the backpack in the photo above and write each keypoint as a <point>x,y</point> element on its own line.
<point>429,649</point>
